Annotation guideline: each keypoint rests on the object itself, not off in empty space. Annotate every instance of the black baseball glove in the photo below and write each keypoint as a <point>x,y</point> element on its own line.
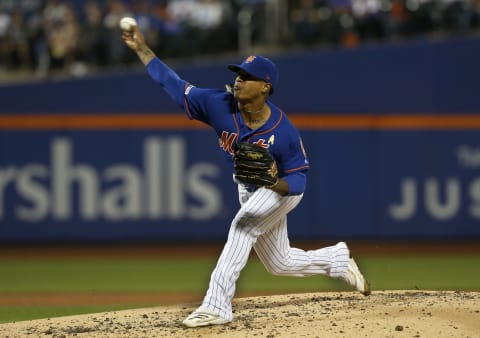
<point>254,165</point>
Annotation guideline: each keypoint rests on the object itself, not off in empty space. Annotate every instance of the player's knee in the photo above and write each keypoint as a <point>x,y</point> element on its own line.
<point>246,220</point>
<point>277,269</point>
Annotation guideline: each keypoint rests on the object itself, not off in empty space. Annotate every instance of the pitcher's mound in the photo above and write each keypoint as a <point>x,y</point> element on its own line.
<point>345,314</point>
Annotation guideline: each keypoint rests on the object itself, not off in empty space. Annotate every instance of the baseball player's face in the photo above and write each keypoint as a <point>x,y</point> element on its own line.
<point>247,87</point>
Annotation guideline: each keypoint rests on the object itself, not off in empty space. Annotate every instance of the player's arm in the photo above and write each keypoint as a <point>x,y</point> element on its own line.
<point>135,40</point>
<point>158,70</point>
<point>255,165</point>
<point>195,105</point>
<point>295,166</point>
<point>281,187</point>
<point>292,184</point>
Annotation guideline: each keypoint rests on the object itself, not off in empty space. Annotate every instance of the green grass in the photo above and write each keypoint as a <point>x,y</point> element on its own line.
<point>191,276</point>
<point>77,275</point>
<point>425,273</point>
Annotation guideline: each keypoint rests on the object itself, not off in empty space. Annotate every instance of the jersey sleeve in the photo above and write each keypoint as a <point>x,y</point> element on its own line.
<point>197,103</point>
<point>297,182</point>
<point>207,105</point>
<point>295,158</point>
<point>168,79</point>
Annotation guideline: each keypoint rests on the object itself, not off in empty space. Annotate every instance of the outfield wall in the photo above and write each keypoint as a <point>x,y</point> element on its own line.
<point>392,133</point>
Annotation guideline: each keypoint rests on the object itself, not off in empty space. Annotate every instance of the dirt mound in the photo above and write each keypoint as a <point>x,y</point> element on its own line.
<point>346,314</point>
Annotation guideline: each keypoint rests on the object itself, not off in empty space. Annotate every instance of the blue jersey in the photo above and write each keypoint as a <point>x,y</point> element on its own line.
<point>219,109</point>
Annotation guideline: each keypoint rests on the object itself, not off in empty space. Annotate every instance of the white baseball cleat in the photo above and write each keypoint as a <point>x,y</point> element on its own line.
<point>204,318</point>
<point>355,278</point>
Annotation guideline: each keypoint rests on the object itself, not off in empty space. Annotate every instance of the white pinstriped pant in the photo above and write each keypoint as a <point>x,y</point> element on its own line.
<point>261,223</point>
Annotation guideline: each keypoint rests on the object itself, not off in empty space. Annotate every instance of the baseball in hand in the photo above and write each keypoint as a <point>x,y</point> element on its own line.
<point>127,23</point>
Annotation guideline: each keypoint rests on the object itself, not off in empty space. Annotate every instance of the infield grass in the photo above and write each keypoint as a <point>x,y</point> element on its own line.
<point>167,275</point>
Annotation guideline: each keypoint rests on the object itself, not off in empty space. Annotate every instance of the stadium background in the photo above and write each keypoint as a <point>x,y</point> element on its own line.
<point>105,165</point>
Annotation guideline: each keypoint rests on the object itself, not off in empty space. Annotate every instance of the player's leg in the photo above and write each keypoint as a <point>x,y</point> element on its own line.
<point>274,250</point>
<point>262,210</point>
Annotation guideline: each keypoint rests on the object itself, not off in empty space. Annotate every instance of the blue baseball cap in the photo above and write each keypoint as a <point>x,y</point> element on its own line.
<point>259,67</point>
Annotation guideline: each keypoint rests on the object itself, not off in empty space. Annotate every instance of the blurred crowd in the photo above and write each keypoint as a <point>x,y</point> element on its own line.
<point>45,36</point>
<point>350,22</point>
<point>51,35</point>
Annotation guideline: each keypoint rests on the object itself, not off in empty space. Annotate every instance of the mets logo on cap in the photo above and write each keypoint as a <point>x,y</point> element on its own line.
<point>250,59</point>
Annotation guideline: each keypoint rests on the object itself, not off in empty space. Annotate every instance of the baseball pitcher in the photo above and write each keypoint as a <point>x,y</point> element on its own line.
<point>269,165</point>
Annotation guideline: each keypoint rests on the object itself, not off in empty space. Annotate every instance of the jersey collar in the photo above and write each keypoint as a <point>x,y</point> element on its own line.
<point>276,116</point>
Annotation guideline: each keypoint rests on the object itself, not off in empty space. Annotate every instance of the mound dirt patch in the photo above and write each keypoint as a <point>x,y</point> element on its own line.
<point>345,314</point>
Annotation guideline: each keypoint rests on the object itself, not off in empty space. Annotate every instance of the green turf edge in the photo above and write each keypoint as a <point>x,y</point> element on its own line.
<point>10,314</point>
<point>384,273</point>
<point>187,275</point>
